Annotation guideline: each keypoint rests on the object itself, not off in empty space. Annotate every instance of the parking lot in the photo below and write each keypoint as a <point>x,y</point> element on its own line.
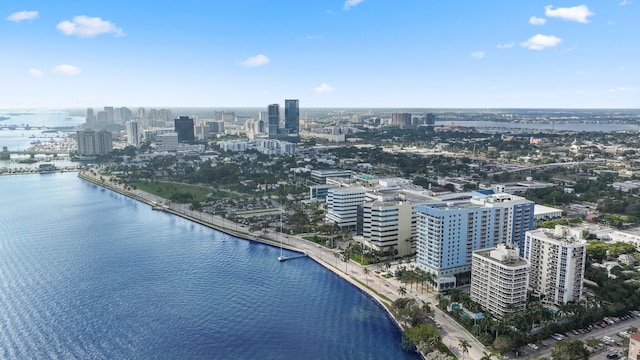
<point>610,333</point>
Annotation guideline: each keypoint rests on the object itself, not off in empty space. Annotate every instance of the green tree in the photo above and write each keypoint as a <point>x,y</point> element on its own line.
<point>569,350</point>
<point>426,336</point>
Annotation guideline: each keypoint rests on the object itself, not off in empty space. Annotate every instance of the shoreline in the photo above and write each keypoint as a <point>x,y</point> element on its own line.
<point>313,252</point>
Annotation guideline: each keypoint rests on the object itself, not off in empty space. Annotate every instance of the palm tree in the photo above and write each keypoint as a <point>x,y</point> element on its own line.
<point>402,291</point>
<point>464,347</point>
<point>366,274</point>
<point>486,356</point>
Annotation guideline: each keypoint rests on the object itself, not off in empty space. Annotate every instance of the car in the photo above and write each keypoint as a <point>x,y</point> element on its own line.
<point>612,355</point>
<point>533,346</point>
<point>607,339</point>
<point>557,336</point>
<point>575,332</point>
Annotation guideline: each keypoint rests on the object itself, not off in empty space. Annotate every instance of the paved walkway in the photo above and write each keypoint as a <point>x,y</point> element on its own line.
<point>383,290</point>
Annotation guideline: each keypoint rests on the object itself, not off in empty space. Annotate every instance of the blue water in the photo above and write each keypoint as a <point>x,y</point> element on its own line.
<point>89,274</point>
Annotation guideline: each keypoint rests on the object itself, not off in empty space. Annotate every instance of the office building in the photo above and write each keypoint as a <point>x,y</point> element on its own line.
<point>342,206</point>
<point>499,279</point>
<point>167,141</point>
<point>273,123</point>
<point>125,114</point>
<point>448,233</point>
<point>91,143</point>
<point>292,116</point>
<point>557,257</point>
<point>184,128</point>
<point>389,226</point>
<point>133,133</point>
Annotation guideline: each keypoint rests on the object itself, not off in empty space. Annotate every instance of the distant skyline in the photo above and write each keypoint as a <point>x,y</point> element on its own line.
<point>334,53</point>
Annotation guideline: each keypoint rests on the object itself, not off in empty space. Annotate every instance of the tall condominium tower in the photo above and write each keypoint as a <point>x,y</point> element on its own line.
<point>403,120</point>
<point>274,119</point>
<point>557,257</point>
<point>91,119</point>
<point>133,133</point>
<point>292,116</point>
<point>94,143</point>
<point>110,117</point>
<point>448,233</point>
<point>499,279</point>
<point>184,128</point>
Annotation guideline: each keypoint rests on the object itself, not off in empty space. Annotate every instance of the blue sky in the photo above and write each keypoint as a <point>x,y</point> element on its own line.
<point>327,53</point>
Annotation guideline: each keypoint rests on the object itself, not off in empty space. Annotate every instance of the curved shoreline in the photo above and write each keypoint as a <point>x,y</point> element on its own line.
<point>264,239</point>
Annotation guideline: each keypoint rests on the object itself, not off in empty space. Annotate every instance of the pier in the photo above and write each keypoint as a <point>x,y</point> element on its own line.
<point>285,258</point>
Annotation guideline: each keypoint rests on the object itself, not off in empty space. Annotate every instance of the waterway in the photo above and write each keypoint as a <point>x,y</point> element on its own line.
<point>86,273</point>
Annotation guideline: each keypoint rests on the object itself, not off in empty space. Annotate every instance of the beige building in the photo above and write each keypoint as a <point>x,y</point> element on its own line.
<point>499,279</point>
<point>634,347</point>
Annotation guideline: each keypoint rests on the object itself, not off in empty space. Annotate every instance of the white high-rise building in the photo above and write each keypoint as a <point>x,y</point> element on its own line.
<point>448,233</point>
<point>389,225</point>
<point>557,257</point>
<point>342,205</point>
<point>133,133</point>
<point>499,279</point>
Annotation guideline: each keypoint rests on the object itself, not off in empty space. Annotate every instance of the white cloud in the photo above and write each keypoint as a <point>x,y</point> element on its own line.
<point>35,73</point>
<point>66,69</point>
<point>539,42</point>
<point>351,3</point>
<point>322,89</point>
<point>506,46</point>
<point>537,21</point>
<point>88,27</point>
<point>578,13</point>
<point>256,61</point>
<point>22,15</point>
<point>477,54</point>
<point>624,2</point>
<point>622,89</point>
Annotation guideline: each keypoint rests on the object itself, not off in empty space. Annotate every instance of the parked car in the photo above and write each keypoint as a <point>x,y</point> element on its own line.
<point>533,346</point>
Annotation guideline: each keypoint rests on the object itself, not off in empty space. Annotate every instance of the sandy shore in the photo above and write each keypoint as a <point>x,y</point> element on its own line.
<point>381,289</point>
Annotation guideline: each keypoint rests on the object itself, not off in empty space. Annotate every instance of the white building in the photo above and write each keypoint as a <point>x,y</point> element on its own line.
<point>543,213</point>
<point>448,233</point>
<point>342,205</point>
<point>133,133</point>
<point>499,278</point>
<point>557,259</point>
<point>167,141</point>
<point>264,146</point>
<point>389,225</point>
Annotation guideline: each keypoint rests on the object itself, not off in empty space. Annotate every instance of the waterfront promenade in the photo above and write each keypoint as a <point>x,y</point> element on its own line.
<point>384,290</point>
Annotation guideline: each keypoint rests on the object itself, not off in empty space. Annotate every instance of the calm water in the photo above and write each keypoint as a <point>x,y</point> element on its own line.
<point>89,274</point>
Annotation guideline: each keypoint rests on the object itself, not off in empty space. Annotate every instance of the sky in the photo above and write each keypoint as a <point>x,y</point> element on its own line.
<point>326,53</point>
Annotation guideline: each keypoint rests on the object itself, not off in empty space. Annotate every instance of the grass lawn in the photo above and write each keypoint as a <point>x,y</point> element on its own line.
<point>167,190</point>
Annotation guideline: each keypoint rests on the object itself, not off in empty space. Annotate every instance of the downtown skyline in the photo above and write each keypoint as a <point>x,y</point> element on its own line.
<point>354,53</point>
